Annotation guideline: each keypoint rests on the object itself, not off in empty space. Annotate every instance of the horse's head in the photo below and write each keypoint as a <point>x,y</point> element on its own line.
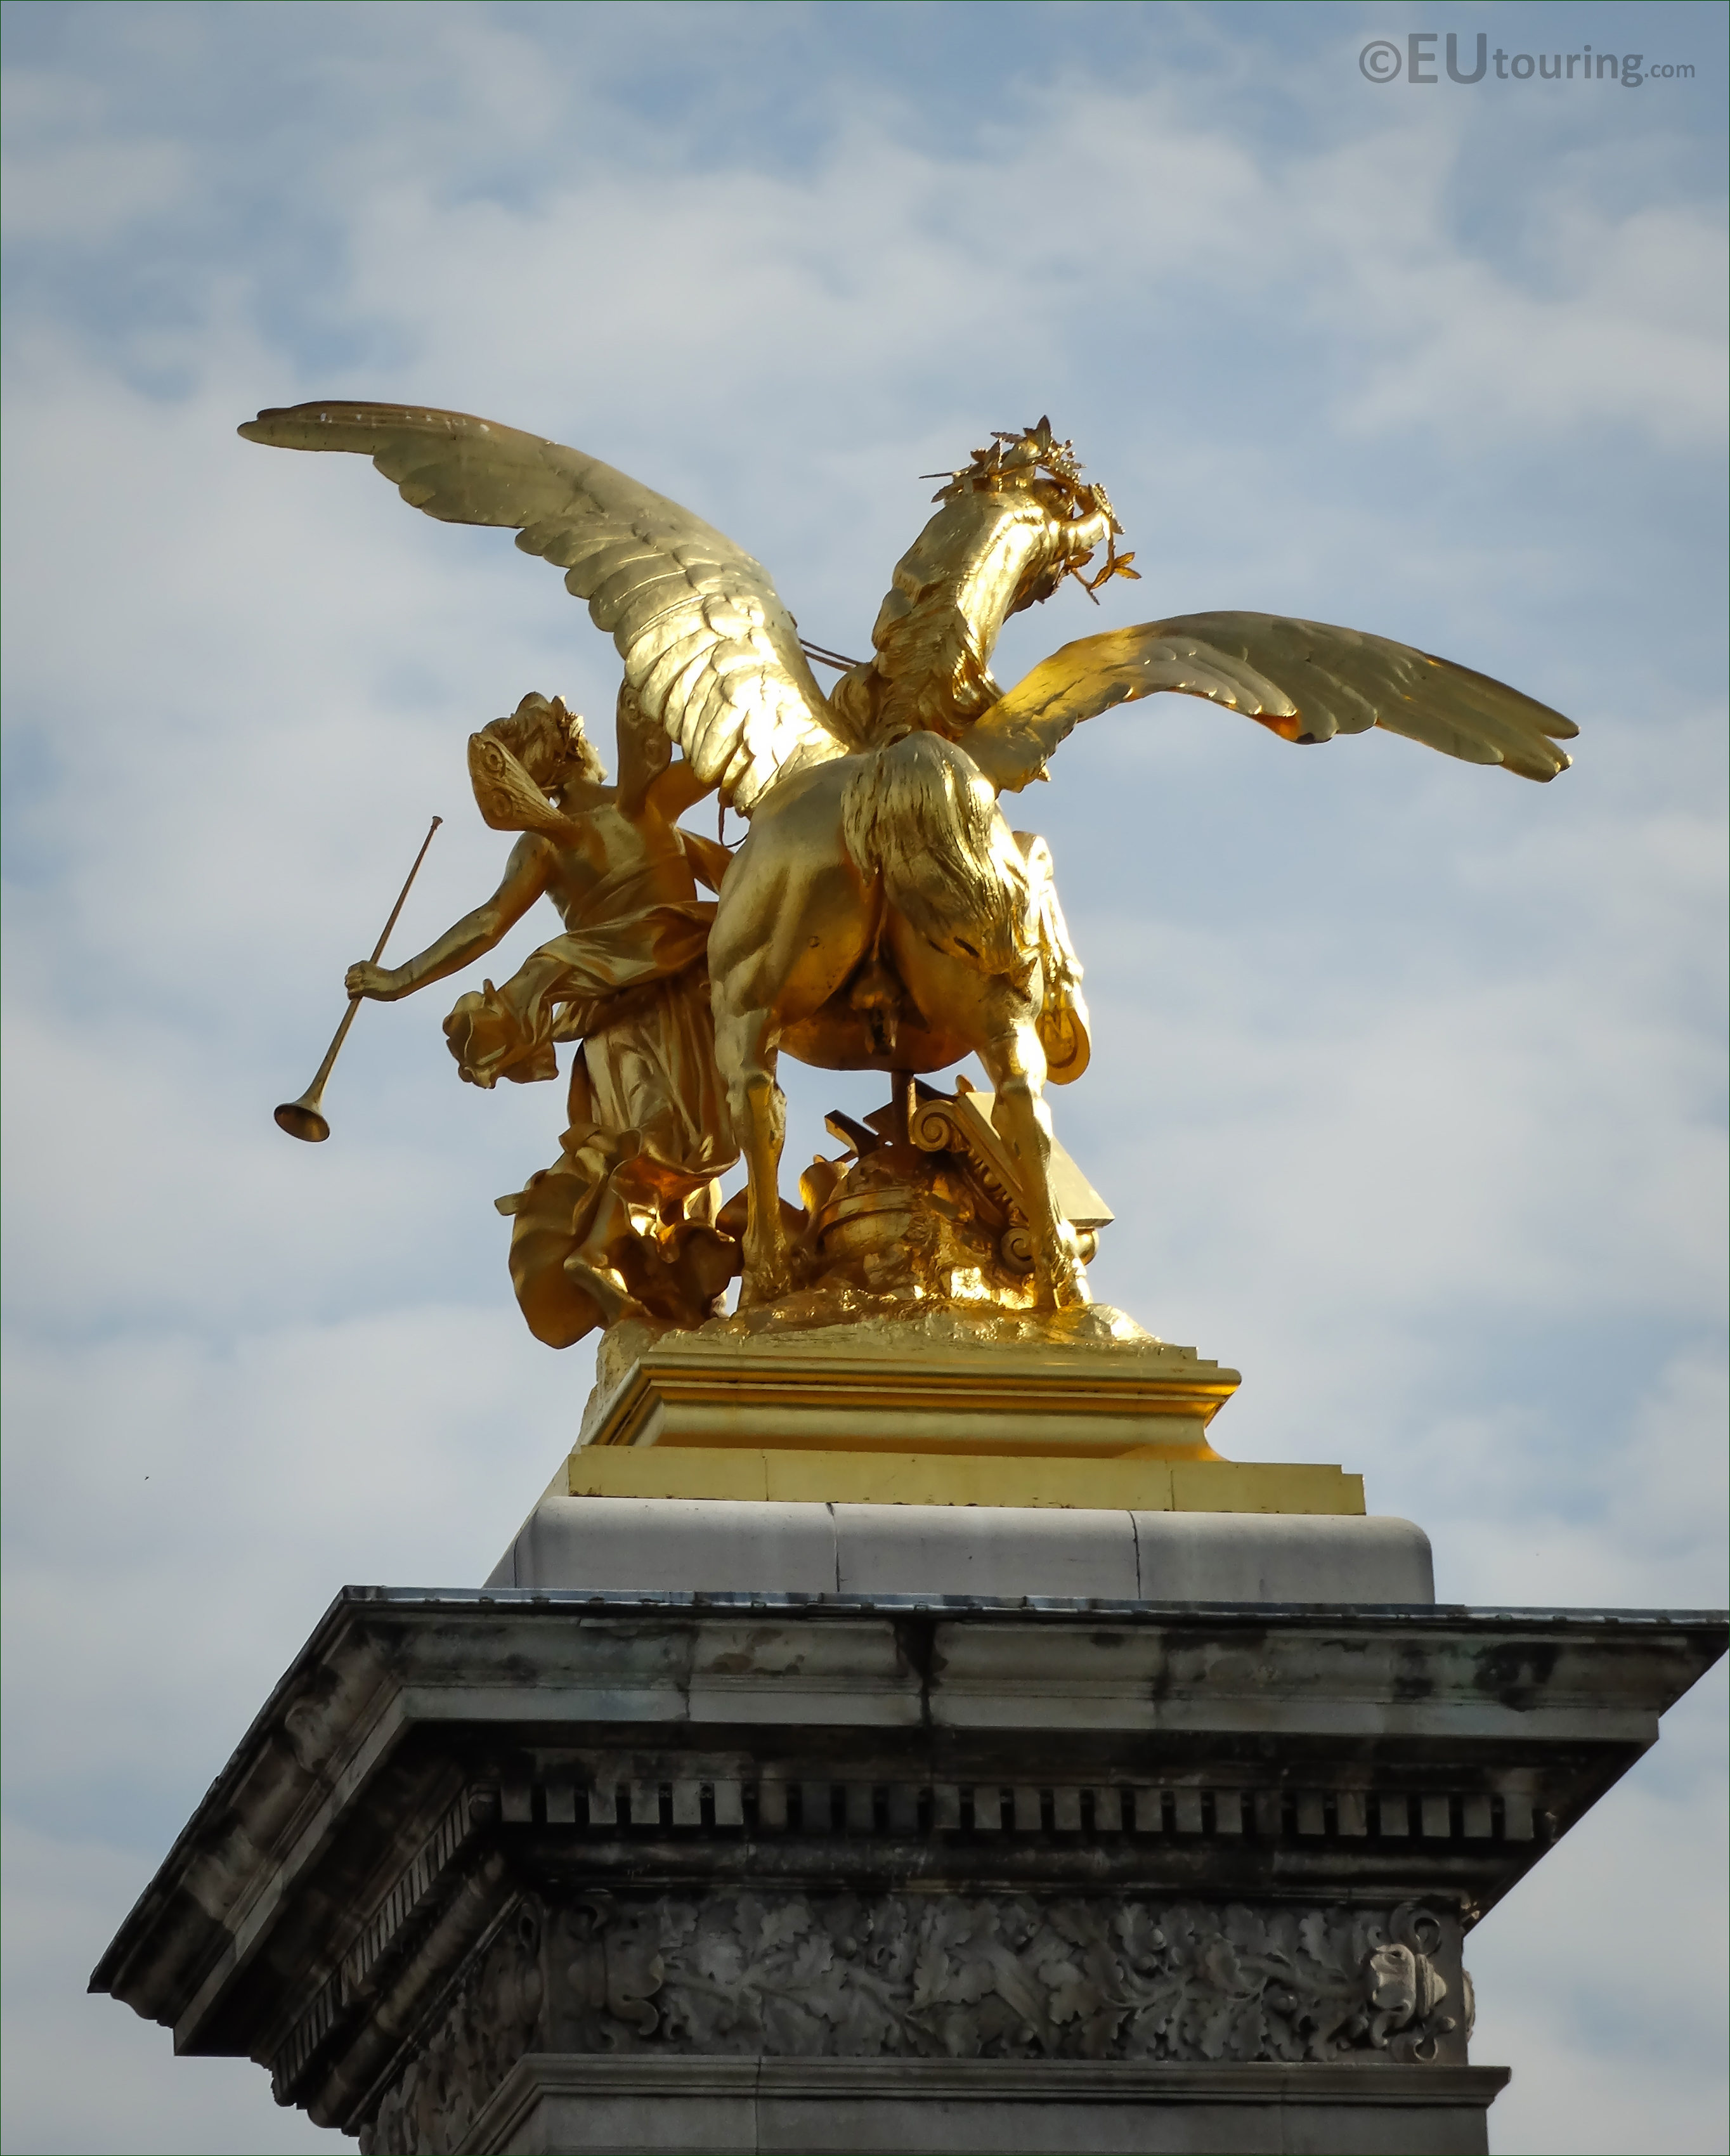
<point>1011,524</point>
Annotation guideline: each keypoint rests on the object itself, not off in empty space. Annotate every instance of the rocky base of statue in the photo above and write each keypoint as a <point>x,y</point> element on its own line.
<point>746,2018</point>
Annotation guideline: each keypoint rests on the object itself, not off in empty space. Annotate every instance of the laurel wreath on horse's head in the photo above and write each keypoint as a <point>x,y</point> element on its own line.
<point>1020,458</point>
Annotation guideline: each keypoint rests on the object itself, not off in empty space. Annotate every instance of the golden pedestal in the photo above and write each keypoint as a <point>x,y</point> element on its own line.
<point>924,1414</point>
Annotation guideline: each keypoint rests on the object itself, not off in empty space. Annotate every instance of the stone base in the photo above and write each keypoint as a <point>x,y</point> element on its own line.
<point>695,1547</point>
<point>567,1869</point>
<point>561,2102</point>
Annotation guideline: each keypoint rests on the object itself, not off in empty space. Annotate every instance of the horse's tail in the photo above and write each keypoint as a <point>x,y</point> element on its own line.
<point>921,815</point>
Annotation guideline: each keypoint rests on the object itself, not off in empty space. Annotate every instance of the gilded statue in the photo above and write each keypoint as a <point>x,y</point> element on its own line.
<point>623,1217</point>
<point>882,913</point>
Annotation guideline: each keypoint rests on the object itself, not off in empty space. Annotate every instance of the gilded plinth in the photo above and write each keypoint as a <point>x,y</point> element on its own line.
<point>921,1403</point>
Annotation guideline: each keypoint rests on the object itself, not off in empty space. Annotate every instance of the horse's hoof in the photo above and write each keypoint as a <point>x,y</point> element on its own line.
<point>771,1287</point>
<point>1068,1290</point>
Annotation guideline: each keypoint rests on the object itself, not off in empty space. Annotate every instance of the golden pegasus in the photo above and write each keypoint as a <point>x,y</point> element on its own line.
<point>881,913</point>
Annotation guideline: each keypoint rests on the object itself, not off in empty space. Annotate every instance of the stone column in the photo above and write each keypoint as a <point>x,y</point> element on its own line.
<point>545,1868</point>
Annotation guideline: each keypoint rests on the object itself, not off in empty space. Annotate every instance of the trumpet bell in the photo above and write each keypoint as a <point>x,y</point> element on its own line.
<point>301,1119</point>
<point>305,1118</point>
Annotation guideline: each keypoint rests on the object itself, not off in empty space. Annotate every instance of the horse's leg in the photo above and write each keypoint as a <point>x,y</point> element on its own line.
<point>996,1017</point>
<point>794,919</point>
<point>745,1050</point>
<point>1015,1064</point>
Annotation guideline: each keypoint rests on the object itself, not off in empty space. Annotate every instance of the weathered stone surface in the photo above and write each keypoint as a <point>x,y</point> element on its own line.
<point>998,2108</point>
<point>947,1549</point>
<point>476,1840</point>
<point>717,1546</point>
<point>789,1975</point>
<point>1239,1557</point>
<point>697,1544</point>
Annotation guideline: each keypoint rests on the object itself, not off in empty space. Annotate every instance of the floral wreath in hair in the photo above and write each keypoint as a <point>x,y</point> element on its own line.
<point>1015,460</point>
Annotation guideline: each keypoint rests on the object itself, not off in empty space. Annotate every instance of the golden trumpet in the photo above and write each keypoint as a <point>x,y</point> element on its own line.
<point>305,1118</point>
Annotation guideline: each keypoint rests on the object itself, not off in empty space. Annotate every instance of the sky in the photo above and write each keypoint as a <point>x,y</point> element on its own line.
<point>1408,1079</point>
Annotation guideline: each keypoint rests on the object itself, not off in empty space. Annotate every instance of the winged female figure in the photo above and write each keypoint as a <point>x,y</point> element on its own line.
<point>882,913</point>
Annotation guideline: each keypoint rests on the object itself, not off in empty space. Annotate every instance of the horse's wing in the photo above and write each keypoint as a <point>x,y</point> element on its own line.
<point>712,653</point>
<point>1302,679</point>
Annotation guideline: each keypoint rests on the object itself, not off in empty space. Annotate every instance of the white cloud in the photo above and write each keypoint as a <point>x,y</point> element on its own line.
<point>1617,321</point>
<point>68,177</point>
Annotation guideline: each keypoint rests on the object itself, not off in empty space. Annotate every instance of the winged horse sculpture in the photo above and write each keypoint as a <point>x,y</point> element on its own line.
<point>881,913</point>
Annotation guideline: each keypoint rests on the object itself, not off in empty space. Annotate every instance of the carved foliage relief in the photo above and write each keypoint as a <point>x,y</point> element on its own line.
<point>1007,1976</point>
<point>790,1975</point>
<point>474,2043</point>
